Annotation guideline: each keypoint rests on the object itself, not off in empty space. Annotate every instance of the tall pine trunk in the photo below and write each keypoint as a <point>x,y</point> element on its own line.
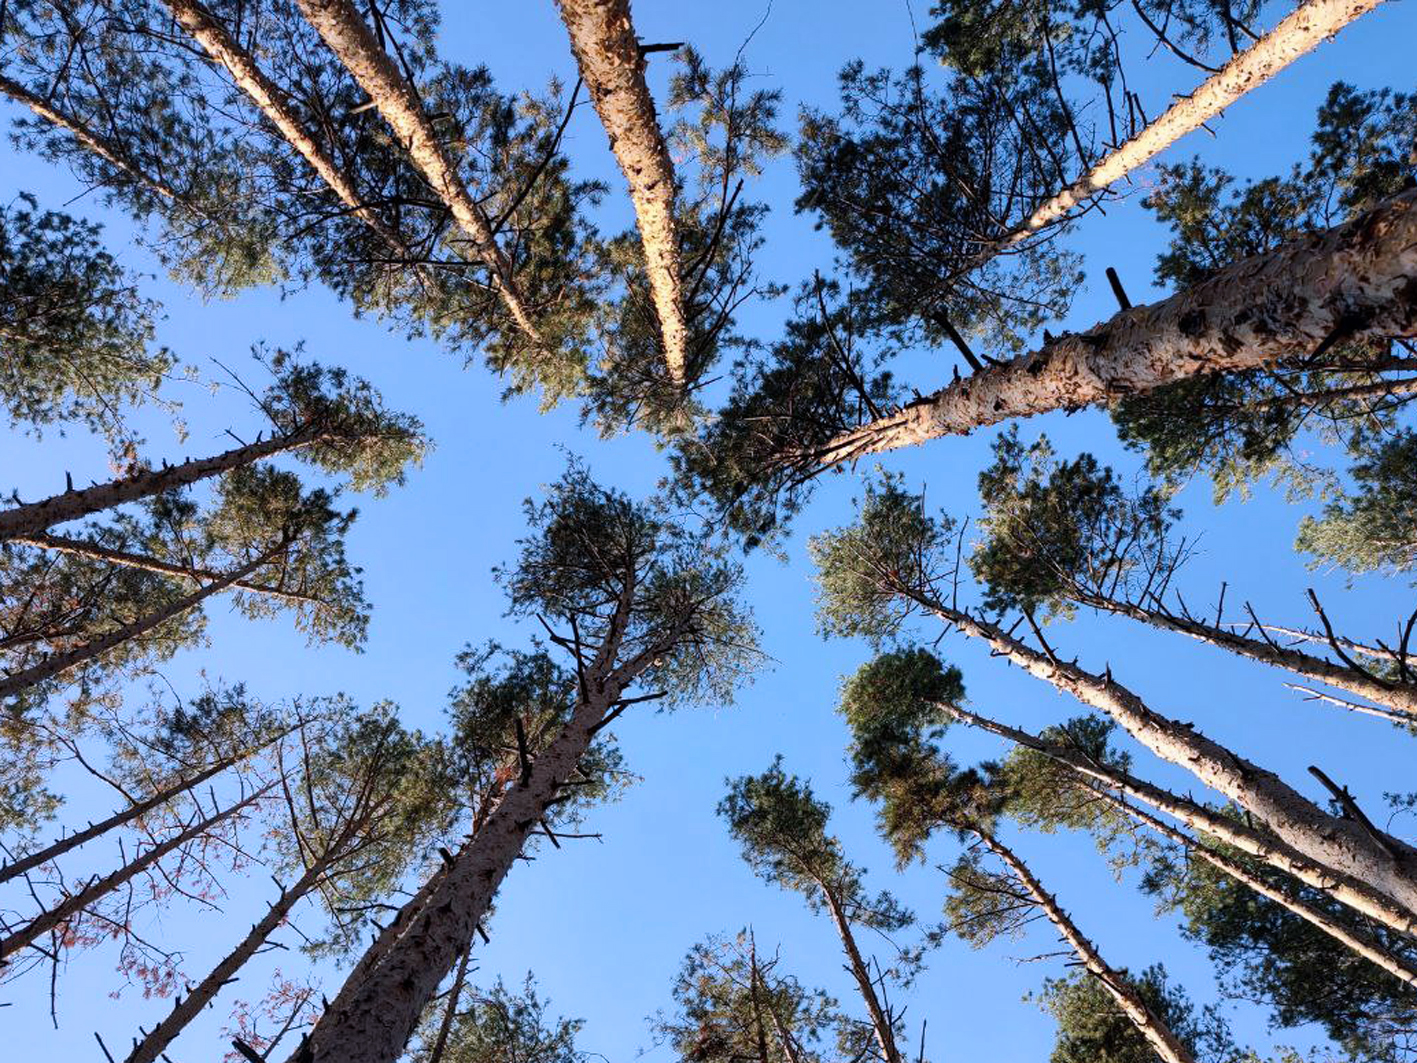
<point>96,552</point>
<point>1158,1035</point>
<point>58,663</point>
<point>865,985</point>
<point>343,30</point>
<point>1387,864</point>
<point>607,52</point>
<point>99,888</point>
<point>34,517</point>
<point>1355,281</point>
<point>1355,893</point>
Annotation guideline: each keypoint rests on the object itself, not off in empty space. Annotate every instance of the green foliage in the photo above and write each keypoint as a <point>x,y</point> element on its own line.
<point>866,572</point>
<point>1093,1029</point>
<point>1047,795</point>
<point>1373,528</point>
<point>1054,530</point>
<point>1266,953</point>
<point>1241,427</point>
<point>732,1005</point>
<point>501,1025</point>
<point>74,333</point>
<point>592,549</point>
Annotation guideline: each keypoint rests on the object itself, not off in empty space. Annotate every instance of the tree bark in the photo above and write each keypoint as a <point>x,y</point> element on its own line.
<point>127,815</point>
<point>373,1023</point>
<point>95,552</point>
<point>607,51</point>
<point>1389,865</point>
<point>66,910</point>
<point>1298,33</point>
<point>880,1023</point>
<point>449,1013</point>
<point>1355,894</point>
<point>343,30</point>
<point>1354,281</point>
<point>269,98</point>
<point>100,146</point>
<point>190,1006</point>
<point>34,517</point>
<point>1401,698</point>
<point>1158,1035</point>
<point>58,663</point>
<point>1364,946</point>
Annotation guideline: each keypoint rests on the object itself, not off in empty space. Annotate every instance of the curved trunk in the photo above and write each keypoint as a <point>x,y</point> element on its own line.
<point>189,1007</point>
<point>1354,893</point>
<point>1158,1035</point>
<point>1362,945</point>
<point>880,1023</point>
<point>1385,863</point>
<point>95,890</point>
<point>607,52</point>
<point>1354,281</point>
<point>1399,697</point>
<point>58,663</point>
<point>34,517</point>
<point>343,30</point>
<point>95,552</point>
<point>1301,31</point>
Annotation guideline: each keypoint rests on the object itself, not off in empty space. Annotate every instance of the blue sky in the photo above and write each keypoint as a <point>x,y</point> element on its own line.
<point>604,925</point>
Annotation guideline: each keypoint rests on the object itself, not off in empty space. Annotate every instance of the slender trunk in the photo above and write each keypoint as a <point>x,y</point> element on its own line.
<point>1158,1035</point>
<point>100,146</point>
<point>790,1052</point>
<point>127,815</point>
<point>1361,944</point>
<point>373,1023</point>
<point>607,51</point>
<point>1295,35</point>
<point>98,888</point>
<point>1387,864</point>
<point>880,1023</point>
<point>1358,895</point>
<point>270,99</point>
<point>445,1027</point>
<point>32,518</point>
<point>58,663</point>
<point>1354,281</point>
<point>95,552</point>
<point>188,1007</point>
<point>344,32</point>
<point>761,1033</point>
<point>1402,698</point>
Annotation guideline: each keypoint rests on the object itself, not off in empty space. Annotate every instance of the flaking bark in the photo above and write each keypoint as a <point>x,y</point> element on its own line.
<point>340,26</point>
<point>1357,280</point>
<point>607,52</point>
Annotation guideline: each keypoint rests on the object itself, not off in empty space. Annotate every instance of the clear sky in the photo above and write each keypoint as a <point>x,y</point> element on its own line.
<point>605,924</point>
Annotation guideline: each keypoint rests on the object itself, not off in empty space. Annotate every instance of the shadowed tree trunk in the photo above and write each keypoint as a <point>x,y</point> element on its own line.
<point>95,552</point>
<point>73,905</point>
<point>1354,281</point>
<point>343,30</point>
<point>34,517</point>
<point>607,52</point>
<point>58,663</point>
<point>1158,1035</point>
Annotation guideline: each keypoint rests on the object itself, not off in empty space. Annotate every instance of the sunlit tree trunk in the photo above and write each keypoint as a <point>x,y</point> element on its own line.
<point>1158,1035</point>
<point>98,888</point>
<point>607,51</point>
<point>342,28</point>
<point>1355,281</point>
<point>866,986</point>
